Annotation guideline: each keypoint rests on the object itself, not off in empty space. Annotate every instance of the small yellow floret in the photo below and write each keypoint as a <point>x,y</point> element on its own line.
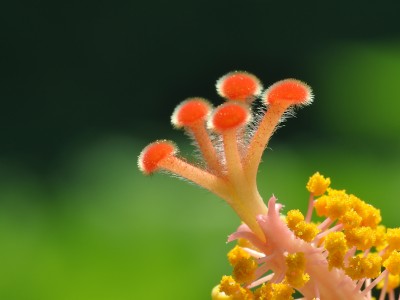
<point>338,204</point>
<point>334,192</point>
<point>244,270</point>
<point>320,205</point>
<point>274,291</point>
<point>230,287</point>
<point>306,231</point>
<point>393,282</point>
<point>317,184</point>
<point>244,266</point>
<point>333,205</point>
<point>393,238</point>
<point>296,265</point>
<point>355,269</point>
<point>373,264</point>
<point>293,218</point>
<point>301,229</point>
<point>361,237</point>
<point>236,254</point>
<point>392,264</point>
<point>370,215</point>
<point>336,245</point>
<point>350,219</point>
<point>364,267</point>
<point>380,233</point>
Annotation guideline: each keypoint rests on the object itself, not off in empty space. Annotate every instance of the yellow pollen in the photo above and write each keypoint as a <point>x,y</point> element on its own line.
<point>333,205</point>
<point>231,288</point>
<point>392,264</point>
<point>305,231</point>
<point>370,215</point>
<point>374,263</point>
<point>244,270</point>
<point>320,206</point>
<point>294,217</point>
<point>361,237</point>
<point>350,219</point>
<point>338,204</point>
<point>296,265</point>
<point>393,238</point>
<point>236,254</point>
<point>274,291</point>
<point>244,266</point>
<point>336,245</point>
<point>364,267</point>
<point>317,184</point>
<point>380,233</point>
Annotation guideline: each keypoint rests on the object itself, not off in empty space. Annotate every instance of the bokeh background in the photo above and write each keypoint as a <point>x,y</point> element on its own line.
<point>85,85</point>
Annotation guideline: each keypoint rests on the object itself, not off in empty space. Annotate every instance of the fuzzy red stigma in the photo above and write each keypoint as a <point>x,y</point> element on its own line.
<point>239,86</point>
<point>153,154</point>
<point>190,111</point>
<point>229,116</point>
<point>288,92</point>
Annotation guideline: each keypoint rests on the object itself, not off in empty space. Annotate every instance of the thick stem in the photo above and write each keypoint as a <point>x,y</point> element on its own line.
<point>248,209</point>
<point>246,200</point>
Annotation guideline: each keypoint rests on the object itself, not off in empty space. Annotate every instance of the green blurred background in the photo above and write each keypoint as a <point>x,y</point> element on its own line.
<point>85,85</point>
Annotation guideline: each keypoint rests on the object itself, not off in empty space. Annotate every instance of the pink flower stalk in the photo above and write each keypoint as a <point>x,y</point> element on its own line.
<point>343,257</point>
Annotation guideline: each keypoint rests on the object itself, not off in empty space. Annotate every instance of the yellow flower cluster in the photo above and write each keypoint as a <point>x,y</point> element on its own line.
<point>229,289</point>
<point>352,242</point>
